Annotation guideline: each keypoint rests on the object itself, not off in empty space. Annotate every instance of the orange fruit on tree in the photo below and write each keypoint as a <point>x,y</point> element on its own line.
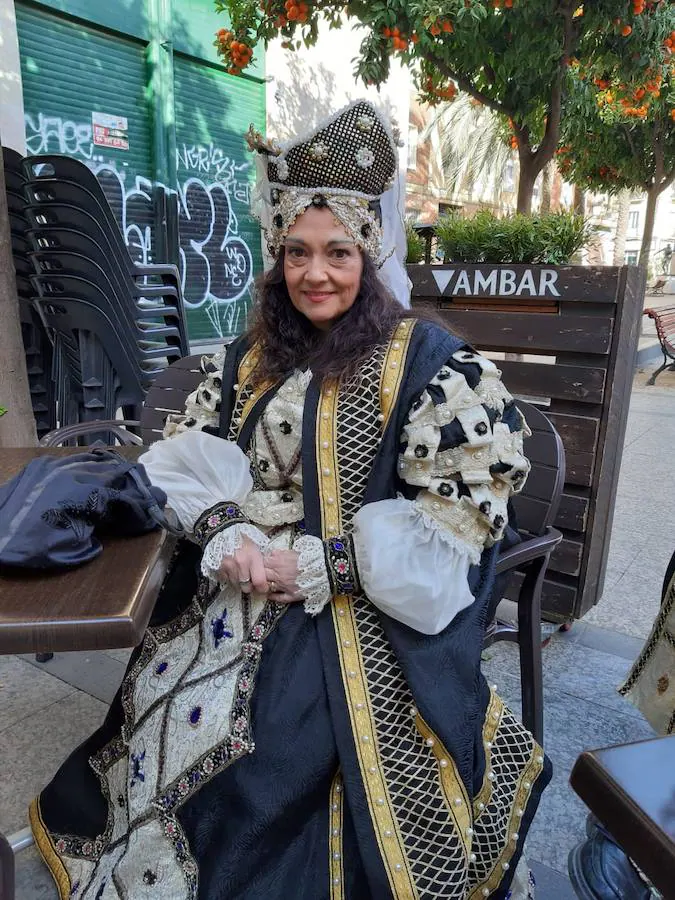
<point>626,30</point>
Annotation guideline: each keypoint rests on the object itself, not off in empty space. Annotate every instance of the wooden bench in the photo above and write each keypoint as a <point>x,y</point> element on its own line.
<point>566,340</point>
<point>664,319</point>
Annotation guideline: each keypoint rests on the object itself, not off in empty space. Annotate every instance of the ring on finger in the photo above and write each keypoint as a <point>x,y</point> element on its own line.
<point>273,586</point>
<point>244,581</point>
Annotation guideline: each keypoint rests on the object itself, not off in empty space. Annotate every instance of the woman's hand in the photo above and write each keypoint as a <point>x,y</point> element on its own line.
<point>281,571</point>
<point>246,568</point>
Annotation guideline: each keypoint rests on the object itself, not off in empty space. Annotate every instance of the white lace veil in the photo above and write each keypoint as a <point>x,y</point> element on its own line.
<point>393,271</point>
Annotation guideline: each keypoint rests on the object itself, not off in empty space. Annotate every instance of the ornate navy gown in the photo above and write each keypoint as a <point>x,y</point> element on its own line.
<point>329,750</point>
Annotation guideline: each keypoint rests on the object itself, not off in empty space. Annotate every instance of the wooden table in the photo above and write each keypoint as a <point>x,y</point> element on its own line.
<point>100,605</point>
<point>631,790</point>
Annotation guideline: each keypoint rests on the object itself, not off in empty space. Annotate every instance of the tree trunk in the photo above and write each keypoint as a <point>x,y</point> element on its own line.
<point>547,187</point>
<point>526,179</point>
<point>17,425</point>
<point>579,201</point>
<point>653,195</point>
<point>621,228</point>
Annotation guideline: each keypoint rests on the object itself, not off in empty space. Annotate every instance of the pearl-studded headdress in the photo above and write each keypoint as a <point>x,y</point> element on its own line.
<point>347,163</point>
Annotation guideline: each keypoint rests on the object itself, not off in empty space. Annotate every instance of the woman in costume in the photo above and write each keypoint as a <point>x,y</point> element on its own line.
<point>306,718</point>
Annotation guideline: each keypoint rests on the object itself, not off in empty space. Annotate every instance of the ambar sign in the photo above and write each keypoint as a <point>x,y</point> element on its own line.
<point>501,282</point>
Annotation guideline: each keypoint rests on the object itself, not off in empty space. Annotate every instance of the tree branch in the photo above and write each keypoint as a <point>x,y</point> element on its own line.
<point>490,72</point>
<point>466,85</point>
<point>631,142</point>
<point>659,166</point>
<point>552,131</point>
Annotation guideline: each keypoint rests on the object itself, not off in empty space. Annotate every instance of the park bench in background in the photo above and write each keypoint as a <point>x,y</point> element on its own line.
<point>664,319</point>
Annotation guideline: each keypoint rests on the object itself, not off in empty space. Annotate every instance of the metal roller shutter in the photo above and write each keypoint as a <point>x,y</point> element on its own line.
<point>71,71</point>
<point>220,241</point>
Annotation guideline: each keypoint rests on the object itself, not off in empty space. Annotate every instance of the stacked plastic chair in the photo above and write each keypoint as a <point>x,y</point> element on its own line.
<point>115,324</point>
<point>36,342</point>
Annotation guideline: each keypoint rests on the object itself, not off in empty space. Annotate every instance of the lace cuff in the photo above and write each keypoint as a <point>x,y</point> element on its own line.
<point>312,576</point>
<point>225,543</point>
<point>343,574</point>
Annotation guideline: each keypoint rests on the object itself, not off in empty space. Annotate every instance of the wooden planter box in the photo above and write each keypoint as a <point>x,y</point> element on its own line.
<point>578,330</point>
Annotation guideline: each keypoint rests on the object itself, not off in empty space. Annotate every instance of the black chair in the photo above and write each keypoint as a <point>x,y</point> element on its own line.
<point>535,508</point>
<point>138,310</point>
<point>47,224</point>
<point>144,339</point>
<point>101,373</point>
<point>146,304</point>
<point>67,240</point>
<point>70,181</point>
<point>37,346</point>
<point>167,395</point>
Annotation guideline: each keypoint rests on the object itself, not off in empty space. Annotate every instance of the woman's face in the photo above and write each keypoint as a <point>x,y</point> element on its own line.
<point>322,267</point>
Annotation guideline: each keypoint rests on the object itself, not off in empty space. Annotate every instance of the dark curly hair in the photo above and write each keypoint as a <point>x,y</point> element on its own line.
<point>289,340</point>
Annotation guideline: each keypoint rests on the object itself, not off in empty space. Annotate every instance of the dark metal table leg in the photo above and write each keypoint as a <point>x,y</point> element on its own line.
<point>6,869</point>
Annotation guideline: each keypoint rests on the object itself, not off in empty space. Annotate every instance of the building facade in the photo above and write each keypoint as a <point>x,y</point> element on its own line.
<point>133,88</point>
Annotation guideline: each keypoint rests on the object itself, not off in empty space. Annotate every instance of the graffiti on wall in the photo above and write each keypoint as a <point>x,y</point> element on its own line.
<point>216,263</point>
<point>51,134</point>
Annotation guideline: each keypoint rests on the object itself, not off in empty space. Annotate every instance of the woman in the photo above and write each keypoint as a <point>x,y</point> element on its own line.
<point>313,723</point>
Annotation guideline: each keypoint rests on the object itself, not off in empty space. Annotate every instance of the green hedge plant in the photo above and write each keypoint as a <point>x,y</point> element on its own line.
<point>551,239</point>
<point>416,244</point>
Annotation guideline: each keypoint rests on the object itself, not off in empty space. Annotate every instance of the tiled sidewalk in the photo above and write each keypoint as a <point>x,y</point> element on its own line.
<point>46,710</point>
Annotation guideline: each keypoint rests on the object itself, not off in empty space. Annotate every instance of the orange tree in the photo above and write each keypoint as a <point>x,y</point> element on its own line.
<point>510,55</point>
<point>618,127</point>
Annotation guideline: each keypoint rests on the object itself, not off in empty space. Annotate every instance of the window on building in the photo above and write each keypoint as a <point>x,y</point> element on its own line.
<point>413,140</point>
<point>633,219</point>
<point>631,258</point>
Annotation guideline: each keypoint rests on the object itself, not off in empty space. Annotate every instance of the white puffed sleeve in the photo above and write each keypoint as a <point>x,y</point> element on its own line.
<point>201,474</point>
<point>408,567</point>
<point>461,458</point>
<point>197,470</point>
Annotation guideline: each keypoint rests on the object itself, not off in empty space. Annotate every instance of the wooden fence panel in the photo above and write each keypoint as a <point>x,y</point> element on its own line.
<point>575,332</point>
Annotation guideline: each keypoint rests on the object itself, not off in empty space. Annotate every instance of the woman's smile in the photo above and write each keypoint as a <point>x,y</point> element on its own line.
<point>318,296</point>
